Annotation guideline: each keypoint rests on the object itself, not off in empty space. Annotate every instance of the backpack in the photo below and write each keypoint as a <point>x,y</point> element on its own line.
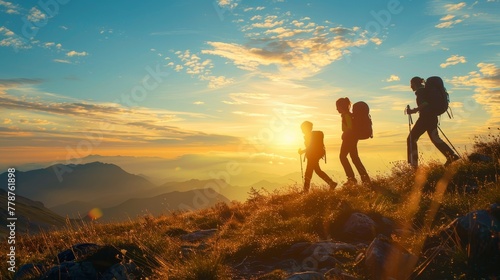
<point>316,148</point>
<point>361,121</point>
<point>439,99</point>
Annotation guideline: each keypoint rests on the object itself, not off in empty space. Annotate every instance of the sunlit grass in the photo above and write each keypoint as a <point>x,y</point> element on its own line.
<point>268,223</point>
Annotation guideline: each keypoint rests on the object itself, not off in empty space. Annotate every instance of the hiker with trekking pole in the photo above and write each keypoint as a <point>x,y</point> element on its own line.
<point>432,101</point>
<point>314,152</point>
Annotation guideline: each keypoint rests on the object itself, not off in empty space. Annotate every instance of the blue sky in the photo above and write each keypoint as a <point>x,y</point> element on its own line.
<point>234,79</point>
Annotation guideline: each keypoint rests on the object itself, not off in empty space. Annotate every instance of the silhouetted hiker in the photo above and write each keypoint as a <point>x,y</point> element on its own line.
<point>427,121</point>
<point>315,150</point>
<point>350,144</point>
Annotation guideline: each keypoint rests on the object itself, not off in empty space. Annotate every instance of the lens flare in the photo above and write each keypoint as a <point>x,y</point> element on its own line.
<point>95,214</point>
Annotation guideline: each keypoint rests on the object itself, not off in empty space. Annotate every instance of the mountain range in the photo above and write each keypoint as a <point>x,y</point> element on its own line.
<point>73,190</point>
<point>31,215</point>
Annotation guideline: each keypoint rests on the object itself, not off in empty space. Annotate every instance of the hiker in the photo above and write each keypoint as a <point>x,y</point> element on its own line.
<point>350,144</point>
<point>427,121</point>
<point>315,150</point>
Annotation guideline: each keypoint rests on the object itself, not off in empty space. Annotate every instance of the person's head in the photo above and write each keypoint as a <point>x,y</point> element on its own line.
<point>343,105</point>
<point>306,127</point>
<point>416,83</point>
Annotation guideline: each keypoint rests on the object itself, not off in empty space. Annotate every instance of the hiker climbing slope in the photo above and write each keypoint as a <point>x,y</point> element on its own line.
<point>350,138</point>
<point>315,150</point>
<point>427,121</point>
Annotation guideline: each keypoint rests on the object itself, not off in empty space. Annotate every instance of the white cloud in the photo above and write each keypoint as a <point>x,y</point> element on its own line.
<point>10,8</point>
<point>393,78</point>
<point>231,4</point>
<point>35,15</point>
<point>448,24</point>
<point>453,60</point>
<point>62,61</point>
<point>455,7</point>
<point>486,82</point>
<point>12,40</point>
<point>75,53</point>
<point>198,103</point>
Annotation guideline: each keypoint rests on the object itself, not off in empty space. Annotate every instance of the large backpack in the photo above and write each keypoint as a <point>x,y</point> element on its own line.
<point>361,121</point>
<point>439,99</point>
<point>317,146</point>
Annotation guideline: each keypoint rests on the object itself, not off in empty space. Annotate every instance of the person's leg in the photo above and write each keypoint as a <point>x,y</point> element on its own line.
<point>432,131</point>
<point>412,149</point>
<point>344,150</point>
<point>308,175</point>
<point>357,161</point>
<point>324,176</point>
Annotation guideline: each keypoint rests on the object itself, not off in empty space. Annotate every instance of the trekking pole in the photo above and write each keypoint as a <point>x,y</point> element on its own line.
<point>458,154</point>
<point>410,122</point>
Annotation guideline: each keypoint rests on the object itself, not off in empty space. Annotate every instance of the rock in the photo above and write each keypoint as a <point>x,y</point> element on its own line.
<point>76,252</point>
<point>71,270</point>
<point>359,227</point>
<point>478,234</point>
<point>198,235</point>
<point>308,275</point>
<point>306,249</point>
<point>120,271</point>
<point>92,261</point>
<point>386,259</point>
<point>480,158</point>
<point>29,271</point>
<point>336,273</point>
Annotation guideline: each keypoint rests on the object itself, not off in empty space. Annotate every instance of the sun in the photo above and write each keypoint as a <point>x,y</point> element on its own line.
<point>290,138</point>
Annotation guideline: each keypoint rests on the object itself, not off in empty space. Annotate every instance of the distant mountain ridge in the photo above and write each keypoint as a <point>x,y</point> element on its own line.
<point>58,184</point>
<point>163,204</point>
<point>118,194</point>
<point>31,215</point>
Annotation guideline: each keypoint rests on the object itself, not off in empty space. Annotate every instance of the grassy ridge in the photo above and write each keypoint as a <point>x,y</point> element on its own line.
<point>269,223</point>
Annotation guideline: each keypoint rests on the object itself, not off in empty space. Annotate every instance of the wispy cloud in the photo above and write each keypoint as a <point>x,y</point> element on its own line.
<point>10,39</point>
<point>9,7</point>
<point>75,53</point>
<point>486,82</point>
<point>32,118</point>
<point>35,15</point>
<point>62,61</point>
<point>453,60</point>
<point>279,47</point>
<point>455,7</point>
<point>393,78</point>
<point>193,65</point>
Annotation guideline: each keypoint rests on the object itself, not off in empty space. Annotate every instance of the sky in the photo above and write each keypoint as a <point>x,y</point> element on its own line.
<point>232,80</point>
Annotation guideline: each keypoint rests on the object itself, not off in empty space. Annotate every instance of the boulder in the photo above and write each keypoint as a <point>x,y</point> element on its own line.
<point>478,234</point>
<point>308,275</point>
<point>359,227</point>
<point>384,259</point>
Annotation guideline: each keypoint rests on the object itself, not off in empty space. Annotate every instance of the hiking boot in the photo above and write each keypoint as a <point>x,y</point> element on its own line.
<point>333,185</point>
<point>350,182</point>
<point>451,160</point>
<point>365,179</point>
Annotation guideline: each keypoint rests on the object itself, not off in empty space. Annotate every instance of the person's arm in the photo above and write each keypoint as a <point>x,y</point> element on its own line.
<point>348,122</point>
<point>421,104</point>
<point>418,108</point>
